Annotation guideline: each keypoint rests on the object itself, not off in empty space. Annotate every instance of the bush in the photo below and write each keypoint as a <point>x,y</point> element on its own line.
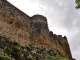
<point>15,52</point>
<point>5,57</point>
<point>15,43</point>
<point>56,58</point>
<point>10,22</point>
<point>30,58</point>
<point>50,58</point>
<point>26,54</point>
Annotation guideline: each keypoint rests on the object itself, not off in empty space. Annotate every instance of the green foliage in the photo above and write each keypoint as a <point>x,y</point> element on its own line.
<point>50,58</point>
<point>11,21</point>
<point>56,58</point>
<point>37,57</point>
<point>29,58</point>
<point>15,43</point>
<point>77,1</point>
<point>14,51</point>
<point>5,58</point>
<point>0,28</point>
<point>78,4</point>
<point>28,52</point>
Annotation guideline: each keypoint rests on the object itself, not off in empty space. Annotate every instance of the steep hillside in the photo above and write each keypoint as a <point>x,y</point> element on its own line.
<point>11,50</point>
<point>28,38</point>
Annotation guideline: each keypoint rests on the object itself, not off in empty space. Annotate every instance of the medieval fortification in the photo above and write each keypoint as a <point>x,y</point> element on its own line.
<point>19,27</point>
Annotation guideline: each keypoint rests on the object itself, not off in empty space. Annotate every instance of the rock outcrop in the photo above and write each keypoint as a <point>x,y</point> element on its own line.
<point>17,26</point>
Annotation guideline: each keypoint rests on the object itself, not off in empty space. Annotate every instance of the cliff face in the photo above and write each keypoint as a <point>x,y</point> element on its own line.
<point>19,27</point>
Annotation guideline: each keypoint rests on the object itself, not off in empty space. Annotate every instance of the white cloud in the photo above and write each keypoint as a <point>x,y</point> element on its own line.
<point>27,6</point>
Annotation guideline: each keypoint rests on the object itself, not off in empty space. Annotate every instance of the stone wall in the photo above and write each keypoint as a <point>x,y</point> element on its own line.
<point>14,24</point>
<point>61,43</point>
<point>17,26</point>
<point>39,18</point>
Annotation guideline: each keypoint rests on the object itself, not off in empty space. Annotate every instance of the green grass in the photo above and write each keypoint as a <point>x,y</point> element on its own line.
<point>5,57</point>
<point>56,58</point>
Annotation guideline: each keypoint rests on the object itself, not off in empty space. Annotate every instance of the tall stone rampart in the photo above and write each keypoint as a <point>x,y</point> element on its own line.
<point>17,26</point>
<point>14,24</point>
<point>63,42</point>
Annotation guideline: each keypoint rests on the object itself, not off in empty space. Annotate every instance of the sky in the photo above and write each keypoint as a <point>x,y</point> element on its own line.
<point>62,16</point>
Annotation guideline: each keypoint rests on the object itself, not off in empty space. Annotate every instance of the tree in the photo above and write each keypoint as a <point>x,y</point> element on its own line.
<point>78,4</point>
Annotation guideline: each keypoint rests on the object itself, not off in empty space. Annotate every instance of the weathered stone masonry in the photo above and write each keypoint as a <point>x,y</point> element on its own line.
<point>17,26</point>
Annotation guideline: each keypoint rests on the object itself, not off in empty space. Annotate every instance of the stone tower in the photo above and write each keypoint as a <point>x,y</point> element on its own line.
<point>38,27</point>
<point>19,27</point>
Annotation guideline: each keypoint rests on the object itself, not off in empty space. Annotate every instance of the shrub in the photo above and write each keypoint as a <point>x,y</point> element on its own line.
<point>50,58</point>
<point>5,57</point>
<point>26,54</point>
<point>30,58</point>
<point>11,22</point>
<point>0,28</point>
<point>56,58</point>
<point>15,43</point>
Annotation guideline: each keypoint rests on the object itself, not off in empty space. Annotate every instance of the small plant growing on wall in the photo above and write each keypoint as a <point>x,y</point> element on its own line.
<point>5,57</point>
<point>0,28</point>
<point>11,22</point>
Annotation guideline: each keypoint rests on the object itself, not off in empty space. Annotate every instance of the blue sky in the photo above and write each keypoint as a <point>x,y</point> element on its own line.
<point>63,18</point>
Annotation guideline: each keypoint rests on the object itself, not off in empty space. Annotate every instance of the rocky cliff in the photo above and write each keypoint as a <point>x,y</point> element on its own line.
<point>19,30</point>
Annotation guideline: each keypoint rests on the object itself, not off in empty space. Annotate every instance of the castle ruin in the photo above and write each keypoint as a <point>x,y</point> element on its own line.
<point>18,26</point>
